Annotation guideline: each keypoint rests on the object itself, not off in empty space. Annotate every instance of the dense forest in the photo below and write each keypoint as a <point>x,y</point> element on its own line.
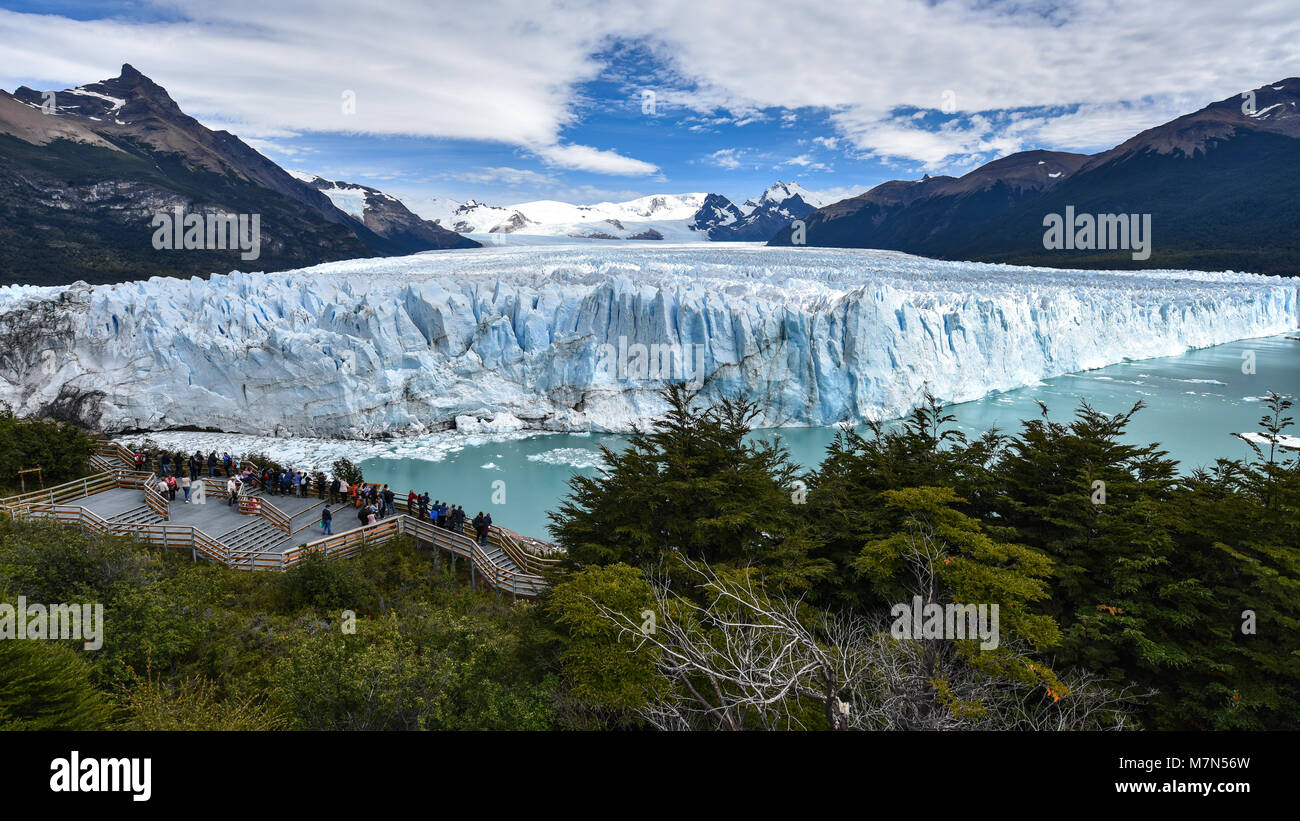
<point>711,583</point>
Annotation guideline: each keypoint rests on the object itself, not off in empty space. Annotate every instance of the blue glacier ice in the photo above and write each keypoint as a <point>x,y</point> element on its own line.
<point>499,338</point>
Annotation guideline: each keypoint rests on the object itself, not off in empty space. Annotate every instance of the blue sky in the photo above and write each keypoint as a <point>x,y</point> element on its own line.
<point>507,100</point>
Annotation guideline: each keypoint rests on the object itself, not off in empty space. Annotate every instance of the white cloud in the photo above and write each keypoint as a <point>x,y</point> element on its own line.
<point>803,161</point>
<point>502,175</point>
<point>585,158</point>
<point>728,158</point>
<point>508,70</point>
<point>837,193</point>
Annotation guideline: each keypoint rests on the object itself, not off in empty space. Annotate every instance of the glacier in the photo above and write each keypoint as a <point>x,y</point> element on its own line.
<point>510,338</point>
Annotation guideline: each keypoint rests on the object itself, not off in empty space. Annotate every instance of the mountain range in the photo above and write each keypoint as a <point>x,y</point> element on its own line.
<point>1220,185</point>
<point>673,217</point>
<point>83,171</point>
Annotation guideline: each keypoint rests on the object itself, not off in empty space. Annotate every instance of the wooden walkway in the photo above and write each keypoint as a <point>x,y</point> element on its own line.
<point>260,531</point>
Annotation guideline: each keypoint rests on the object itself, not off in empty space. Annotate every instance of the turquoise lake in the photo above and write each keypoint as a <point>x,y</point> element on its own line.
<point>1195,402</point>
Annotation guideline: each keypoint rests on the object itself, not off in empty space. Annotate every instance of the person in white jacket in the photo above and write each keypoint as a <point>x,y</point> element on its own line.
<point>232,490</point>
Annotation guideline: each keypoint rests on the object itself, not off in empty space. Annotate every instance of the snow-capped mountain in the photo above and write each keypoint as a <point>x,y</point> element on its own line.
<point>673,217</point>
<point>385,215</point>
<point>657,216</point>
<point>783,192</point>
<point>716,211</point>
<point>779,205</point>
<point>552,336</point>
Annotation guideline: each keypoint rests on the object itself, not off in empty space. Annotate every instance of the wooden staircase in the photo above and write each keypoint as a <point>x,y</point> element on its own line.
<point>251,535</point>
<point>508,562</point>
<point>142,515</point>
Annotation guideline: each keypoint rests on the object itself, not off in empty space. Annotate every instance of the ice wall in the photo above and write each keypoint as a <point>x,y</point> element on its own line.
<point>552,335</point>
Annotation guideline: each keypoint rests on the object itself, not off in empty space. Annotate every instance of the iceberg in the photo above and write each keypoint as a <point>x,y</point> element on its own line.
<point>583,337</point>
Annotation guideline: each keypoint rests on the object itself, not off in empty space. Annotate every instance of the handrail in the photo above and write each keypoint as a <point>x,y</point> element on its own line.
<point>310,521</point>
<point>518,554</point>
<point>524,579</point>
<point>261,506</point>
<point>155,500</point>
<point>76,488</point>
<point>109,449</point>
<point>168,535</point>
<point>348,542</point>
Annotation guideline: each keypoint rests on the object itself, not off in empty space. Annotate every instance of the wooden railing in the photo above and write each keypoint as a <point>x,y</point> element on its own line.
<point>518,554</point>
<point>308,520</point>
<point>154,499</point>
<point>352,541</point>
<point>527,580</point>
<point>114,451</point>
<point>261,506</point>
<point>77,488</point>
<point>168,536</point>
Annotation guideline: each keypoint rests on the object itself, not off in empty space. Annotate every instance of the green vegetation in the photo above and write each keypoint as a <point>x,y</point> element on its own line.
<point>346,471</point>
<point>1111,572</point>
<point>59,450</point>
<point>709,584</point>
<point>198,646</point>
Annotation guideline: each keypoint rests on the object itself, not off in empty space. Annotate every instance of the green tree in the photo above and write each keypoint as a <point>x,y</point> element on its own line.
<point>59,449</point>
<point>46,685</point>
<point>605,669</point>
<point>695,484</point>
<point>344,470</point>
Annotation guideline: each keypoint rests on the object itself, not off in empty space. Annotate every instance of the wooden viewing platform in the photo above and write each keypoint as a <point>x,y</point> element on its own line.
<point>260,531</point>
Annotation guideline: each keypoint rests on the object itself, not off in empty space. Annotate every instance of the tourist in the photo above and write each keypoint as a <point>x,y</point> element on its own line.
<point>436,512</point>
<point>139,459</point>
<point>166,462</point>
<point>460,519</point>
<point>478,527</point>
<point>410,503</point>
<point>487,528</point>
<point>212,464</point>
<point>186,481</point>
<point>334,490</point>
<point>232,490</point>
<point>170,482</point>
<point>423,502</point>
<point>326,521</point>
<point>225,462</point>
